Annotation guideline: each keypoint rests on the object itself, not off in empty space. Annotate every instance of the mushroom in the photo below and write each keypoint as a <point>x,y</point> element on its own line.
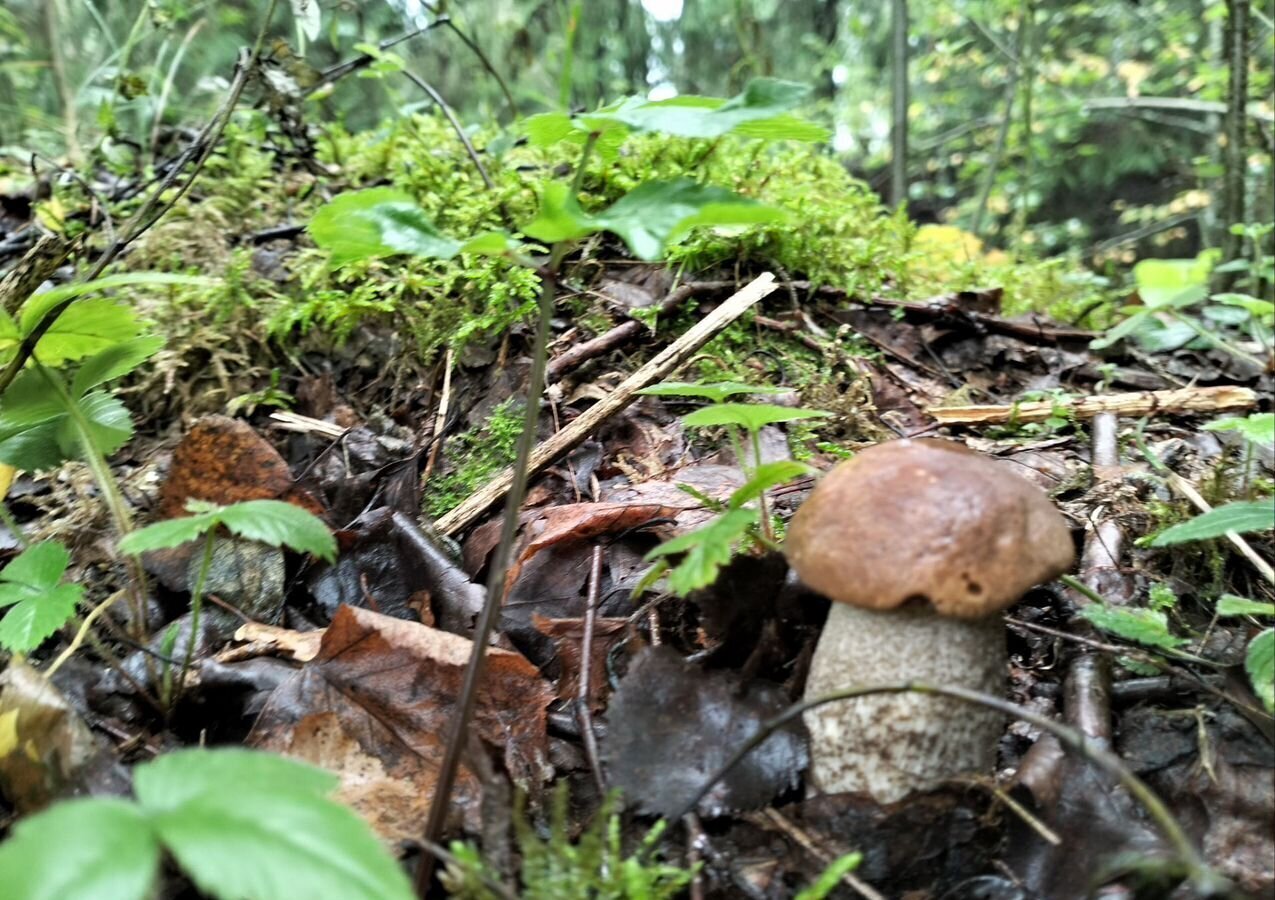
<point>918,543</point>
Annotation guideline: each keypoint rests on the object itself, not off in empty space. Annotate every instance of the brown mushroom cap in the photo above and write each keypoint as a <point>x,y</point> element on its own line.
<point>927,518</point>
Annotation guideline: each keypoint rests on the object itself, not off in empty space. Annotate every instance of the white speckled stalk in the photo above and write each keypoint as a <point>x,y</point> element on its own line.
<point>890,745</point>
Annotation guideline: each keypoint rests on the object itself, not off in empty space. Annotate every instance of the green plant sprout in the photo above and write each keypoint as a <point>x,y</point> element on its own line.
<point>243,825</point>
<point>1177,310</point>
<point>591,867</point>
<point>271,522</point>
<point>708,548</point>
<point>37,600</point>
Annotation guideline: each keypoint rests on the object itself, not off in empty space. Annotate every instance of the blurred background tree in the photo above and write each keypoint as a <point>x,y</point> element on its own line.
<point>1042,125</point>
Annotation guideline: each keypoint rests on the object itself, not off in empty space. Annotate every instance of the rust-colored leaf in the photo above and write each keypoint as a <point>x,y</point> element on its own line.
<point>220,460</point>
<point>576,522</point>
<point>375,705</point>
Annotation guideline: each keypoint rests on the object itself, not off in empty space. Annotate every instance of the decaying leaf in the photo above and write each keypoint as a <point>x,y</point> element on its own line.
<point>220,460</point>
<point>375,705</point>
<point>671,725</point>
<point>46,749</point>
<point>568,639</point>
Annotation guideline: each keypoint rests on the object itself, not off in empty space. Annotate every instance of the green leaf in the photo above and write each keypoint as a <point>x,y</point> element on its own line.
<point>174,779</point>
<point>377,222</point>
<point>168,533</point>
<point>765,477</point>
<point>39,304</point>
<point>707,549</point>
<point>1231,605</point>
<point>709,117</point>
<point>749,416</point>
<point>1255,306</point>
<point>109,425</point>
<point>1142,626</point>
<point>831,877</point>
<point>251,825</point>
<point>560,217</point>
<point>1242,517</point>
<point>92,849</point>
<point>648,217</point>
<point>716,391</point>
<point>1258,428</point>
<point>1259,662</point>
<point>277,523</point>
<point>38,604</point>
<point>33,618</point>
<point>115,361</point>
<point>271,522</point>
<point>87,327</point>
<point>490,243</point>
<point>658,212</point>
<point>40,566</point>
<point>1161,281</point>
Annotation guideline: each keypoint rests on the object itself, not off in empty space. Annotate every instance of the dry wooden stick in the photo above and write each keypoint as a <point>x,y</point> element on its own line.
<point>1139,403</point>
<point>665,362</point>
<point>1186,489</point>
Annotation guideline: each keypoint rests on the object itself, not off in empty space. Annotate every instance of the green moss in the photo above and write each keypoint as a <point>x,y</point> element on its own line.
<point>837,233</point>
<point>473,457</point>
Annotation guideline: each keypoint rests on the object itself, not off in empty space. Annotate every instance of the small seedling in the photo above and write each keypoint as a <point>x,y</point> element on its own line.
<point>706,550</point>
<point>37,600</point>
<point>271,522</point>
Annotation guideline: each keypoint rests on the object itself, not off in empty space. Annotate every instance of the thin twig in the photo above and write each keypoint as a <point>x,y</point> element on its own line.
<point>587,737</point>
<point>665,362</point>
<point>775,819</point>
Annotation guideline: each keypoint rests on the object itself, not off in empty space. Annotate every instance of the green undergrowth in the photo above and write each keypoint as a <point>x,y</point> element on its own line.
<point>838,233</point>
<point>473,457</point>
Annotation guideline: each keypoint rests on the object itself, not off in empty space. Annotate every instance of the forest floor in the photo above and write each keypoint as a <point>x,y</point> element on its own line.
<point>599,677</point>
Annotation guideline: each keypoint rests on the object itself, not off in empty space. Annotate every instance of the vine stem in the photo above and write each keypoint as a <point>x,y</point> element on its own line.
<point>111,496</point>
<point>456,738</point>
<point>1204,879</point>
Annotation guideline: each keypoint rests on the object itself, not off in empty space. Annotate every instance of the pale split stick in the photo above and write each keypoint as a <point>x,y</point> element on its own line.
<point>1186,489</point>
<point>1140,403</point>
<point>664,363</point>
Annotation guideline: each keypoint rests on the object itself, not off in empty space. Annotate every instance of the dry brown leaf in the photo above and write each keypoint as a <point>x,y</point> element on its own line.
<point>375,707</point>
<point>301,646</point>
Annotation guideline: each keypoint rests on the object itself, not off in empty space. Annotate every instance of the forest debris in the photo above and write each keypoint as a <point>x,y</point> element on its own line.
<point>46,749</point>
<point>388,564</point>
<point>220,460</point>
<point>373,707</point>
<point>301,646</point>
<point>1186,489</point>
<point>1140,403</point>
<point>670,725</point>
<point>575,522</point>
<point>665,362</point>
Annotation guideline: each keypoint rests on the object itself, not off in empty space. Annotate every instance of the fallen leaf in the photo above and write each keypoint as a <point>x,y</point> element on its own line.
<point>301,646</point>
<point>568,639</point>
<point>576,522</point>
<point>375,706</point>
<point>670,725</point>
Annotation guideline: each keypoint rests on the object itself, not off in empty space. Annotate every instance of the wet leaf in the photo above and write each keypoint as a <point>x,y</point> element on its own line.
<point>375,705</point>
<point>670,725</point>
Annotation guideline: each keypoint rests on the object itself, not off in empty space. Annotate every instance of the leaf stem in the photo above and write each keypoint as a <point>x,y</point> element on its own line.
<point>458,733</point>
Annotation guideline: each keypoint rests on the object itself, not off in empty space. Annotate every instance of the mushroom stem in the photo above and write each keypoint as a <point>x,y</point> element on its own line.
<point>890,745</point>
